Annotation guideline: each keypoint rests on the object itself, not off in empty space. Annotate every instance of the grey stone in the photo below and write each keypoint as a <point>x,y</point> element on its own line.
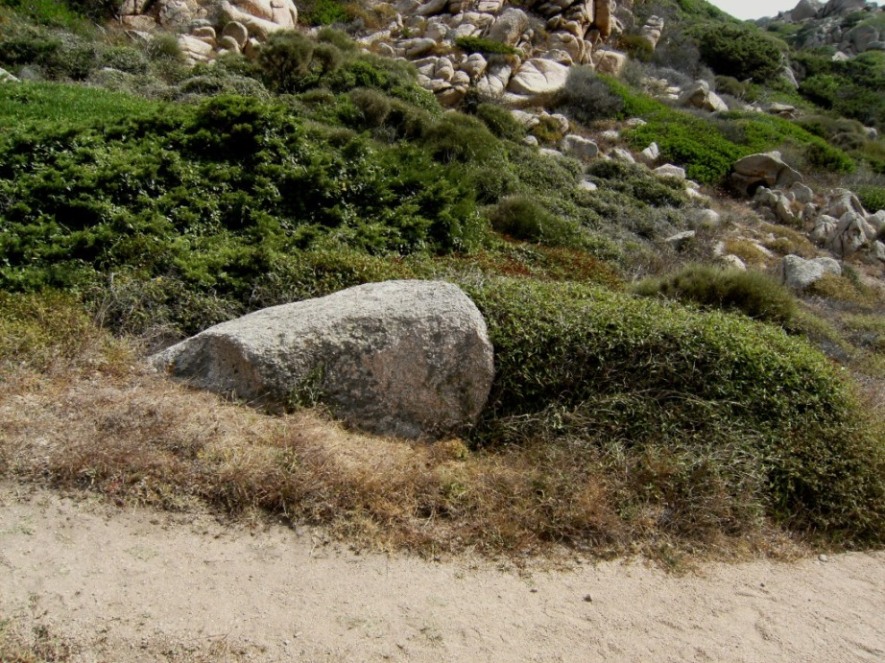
<point>669,170</point>
<point>680,240</point>
<point>703,218</point>
<point>850,235</point>
<point>798,273</point>
<point>405,358</point>
<point>6,77</point>
<point>579,147</point>
<point>509,26</point>
<point>764,168</point>
<point>237,31</point>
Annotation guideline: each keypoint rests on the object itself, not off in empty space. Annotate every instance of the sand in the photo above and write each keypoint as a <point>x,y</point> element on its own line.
<point>136,585</point>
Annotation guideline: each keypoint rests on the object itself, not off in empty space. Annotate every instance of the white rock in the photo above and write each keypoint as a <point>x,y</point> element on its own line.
<point>650,154</point>
<point>579,147</point>
<point>406,358</point>
<point>733,262</point>
<point>669,170</point>
<point>610,62</point>
<point>474,66</point>
<point>620,154</point>
<point>538,76</point>
<point>6,77</point>
<point>798,273</point>
<point>703,218</point>
<point>877,220</point>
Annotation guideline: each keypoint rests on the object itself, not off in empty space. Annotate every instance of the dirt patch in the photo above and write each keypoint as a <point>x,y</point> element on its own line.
<point>93,582</point>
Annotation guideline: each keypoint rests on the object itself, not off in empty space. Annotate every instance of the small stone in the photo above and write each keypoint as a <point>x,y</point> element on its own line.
<point>823,558</point>
<point>588,598</point>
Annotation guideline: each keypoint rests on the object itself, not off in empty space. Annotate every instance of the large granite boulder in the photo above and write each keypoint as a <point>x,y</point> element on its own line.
<point>538,76</point>
<point>404,358</point>
<point>763,169</point>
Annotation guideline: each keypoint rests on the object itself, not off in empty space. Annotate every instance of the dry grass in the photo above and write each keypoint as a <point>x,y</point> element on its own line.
<point>37,645</point>
<point>136,437</point>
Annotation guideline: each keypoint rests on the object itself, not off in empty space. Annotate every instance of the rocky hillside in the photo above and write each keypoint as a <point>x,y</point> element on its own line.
<point>672,222</point>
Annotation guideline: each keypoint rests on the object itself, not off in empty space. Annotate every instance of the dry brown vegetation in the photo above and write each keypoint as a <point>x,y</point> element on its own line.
<point>89,415</point>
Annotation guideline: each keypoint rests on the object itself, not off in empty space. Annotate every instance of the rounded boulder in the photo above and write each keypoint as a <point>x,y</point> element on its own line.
<point>405,358</point>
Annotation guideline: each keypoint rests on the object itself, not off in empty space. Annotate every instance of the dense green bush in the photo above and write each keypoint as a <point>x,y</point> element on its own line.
<point>324,12</point>
<point>500,122</point>
<point>752,293</point>
<point>638,183</point>
<point>213,195</point>
<point>485,46</point>
<point>872,197</point>
<point>586,366</point>
<point>740,51</point>
<point>526,219</point>
<point>851,88</point>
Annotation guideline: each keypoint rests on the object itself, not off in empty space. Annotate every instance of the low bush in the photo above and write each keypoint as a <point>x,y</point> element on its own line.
<point>524,218</point>
<point>638,183</point>
<point>872,197</point>
<point>740,51</point>
<point>752,293</point>
<point>582,366</point>
<point>324,12</point>
<point>500,122</point>
<point>586,97</point>
<point>485,46</point>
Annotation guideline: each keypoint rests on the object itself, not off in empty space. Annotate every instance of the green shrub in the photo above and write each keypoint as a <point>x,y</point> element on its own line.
<point>485,46</point>
<point>582,367</point>
<point>124,58</point>
<point>524,218</point>
<point>639,183</point>
<point>872,197</point>
<point>323,12</point>
<point>374,107</point>
<point>164,47</point>
<point>740,51</point>
<point>586,97</point>
<point>500,122</point>
<point>290,62</point>
<point>752,293</point>
<point>52,13</point>
<point>461,138</point>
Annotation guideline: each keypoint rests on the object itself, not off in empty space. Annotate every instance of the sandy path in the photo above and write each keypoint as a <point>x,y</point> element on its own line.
<point>133,586</point>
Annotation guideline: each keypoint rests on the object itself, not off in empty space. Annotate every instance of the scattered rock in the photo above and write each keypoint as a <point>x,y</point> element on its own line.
<point>238,32</point>
<point>669,170</point>
<point>650,155</point>
<point>698,95</point>
<point>730,261</point>
<point>703,218</point>
<point>405,358</point>
<point>579,147</point>
<point>763,169</point>
<point>538,76</point>
<point>850,235</point>
<point>798,273</point>
<point>680,240</point>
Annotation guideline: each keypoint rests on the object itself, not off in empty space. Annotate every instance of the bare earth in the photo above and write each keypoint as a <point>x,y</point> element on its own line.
<point>136,585</point>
